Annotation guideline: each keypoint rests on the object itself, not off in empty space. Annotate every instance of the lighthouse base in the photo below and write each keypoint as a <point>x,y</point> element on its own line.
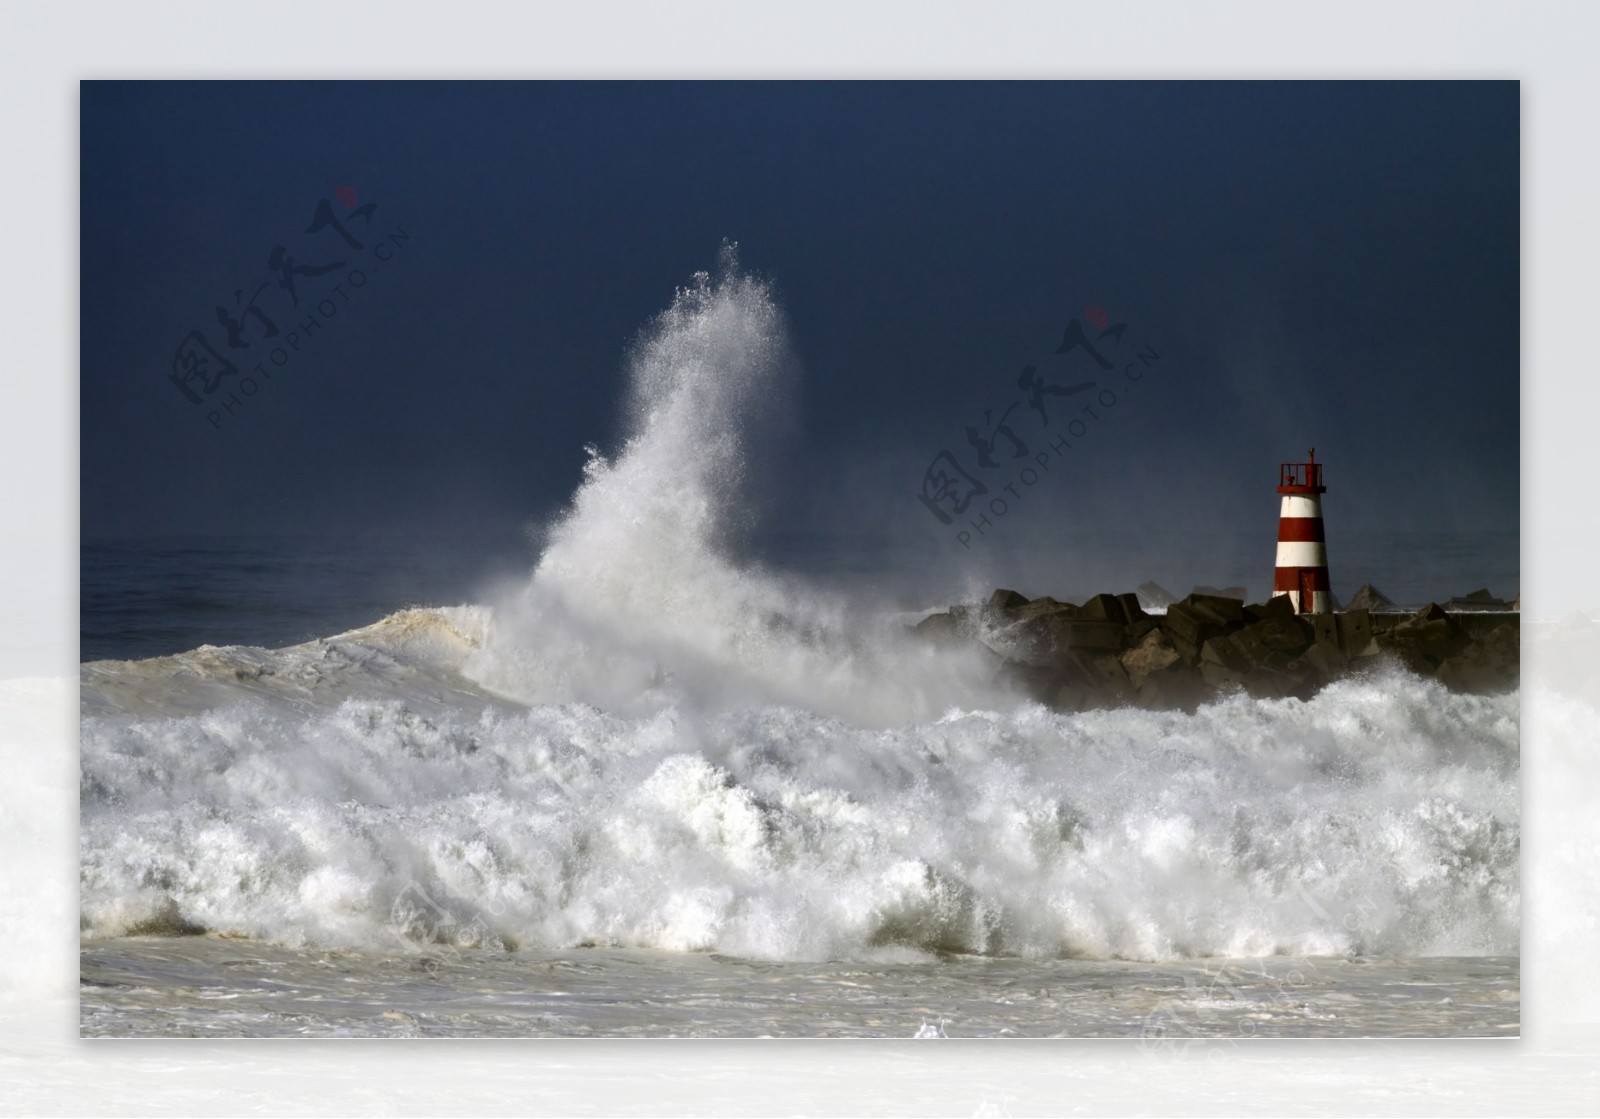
<point>1306,598</point>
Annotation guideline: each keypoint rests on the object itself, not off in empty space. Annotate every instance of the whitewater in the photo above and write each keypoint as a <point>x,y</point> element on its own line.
<point>654,752</point>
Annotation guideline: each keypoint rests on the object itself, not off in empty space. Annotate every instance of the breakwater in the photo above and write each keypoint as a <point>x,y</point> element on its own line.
<point>1108,651</point>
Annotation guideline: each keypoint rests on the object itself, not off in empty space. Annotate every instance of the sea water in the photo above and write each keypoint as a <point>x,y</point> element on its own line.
<point>655,788</point>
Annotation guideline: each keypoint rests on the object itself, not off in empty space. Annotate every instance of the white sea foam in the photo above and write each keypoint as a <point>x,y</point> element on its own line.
<point>1380,817</point>
<point>654,745</point>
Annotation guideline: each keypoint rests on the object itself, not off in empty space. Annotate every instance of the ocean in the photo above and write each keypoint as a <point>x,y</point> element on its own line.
<point>629,783</point>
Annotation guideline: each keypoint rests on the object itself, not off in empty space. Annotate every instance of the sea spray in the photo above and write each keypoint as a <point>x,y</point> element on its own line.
<point>637,602</point>
<point>654,745</point>
<point>1380,817</point>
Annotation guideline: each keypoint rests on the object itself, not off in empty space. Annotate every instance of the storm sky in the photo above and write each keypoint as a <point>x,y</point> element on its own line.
<point>1315,264</point>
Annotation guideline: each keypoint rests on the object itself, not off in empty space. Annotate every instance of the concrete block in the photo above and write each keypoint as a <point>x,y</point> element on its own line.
<point>1285,633</point>
<point>1227,611</point>
<point>1105,669</point>
<point>1131,607</point>
<point>1222,592</point>
<point>1488,666</point>
<point>1432,612</point>
<point>1324,629</point>
<point>1222,652</point>
<point>1028,679</point>
<point>1175,688</point>
<point>1355,634</point>
<point>1277,606</point>
<point>1326,659</point>
<point>1424,645</point>
<point>1094,635</point>
<point>1152,594</point>
<point>1249,645</point>
<point>1003,600</point>
<point>1183,620</point>
<point>1220,676</point>
<point>942,629</point>
<point>1105,608</point>
<point>1188,650</point>
<point>1138,629</point>
<point>1277,683</point>
<point>1041,608</point>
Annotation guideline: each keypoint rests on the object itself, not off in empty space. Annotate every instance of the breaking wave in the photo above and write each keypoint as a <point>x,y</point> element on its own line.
<point>653,744</point>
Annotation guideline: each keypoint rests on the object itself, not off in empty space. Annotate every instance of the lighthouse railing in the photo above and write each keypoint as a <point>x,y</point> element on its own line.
<point>1304,474</point>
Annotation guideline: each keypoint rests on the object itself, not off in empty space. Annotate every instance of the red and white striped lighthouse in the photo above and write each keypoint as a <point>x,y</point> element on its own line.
<point>1302,548</point>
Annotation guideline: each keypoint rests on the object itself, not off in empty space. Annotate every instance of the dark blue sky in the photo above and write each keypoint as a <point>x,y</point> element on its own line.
<point>1316,263</point>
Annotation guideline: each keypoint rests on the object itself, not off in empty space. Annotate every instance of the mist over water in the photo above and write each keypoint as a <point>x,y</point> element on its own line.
<point>637,601</point>
<point>655,743</point>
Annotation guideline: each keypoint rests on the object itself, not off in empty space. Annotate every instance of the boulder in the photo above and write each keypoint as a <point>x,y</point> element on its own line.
<point>1153,653</point>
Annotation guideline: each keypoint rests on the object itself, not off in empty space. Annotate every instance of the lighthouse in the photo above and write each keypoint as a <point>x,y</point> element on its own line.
<point>1302,548</point>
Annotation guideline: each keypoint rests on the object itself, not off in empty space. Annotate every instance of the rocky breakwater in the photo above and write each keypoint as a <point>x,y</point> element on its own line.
<point>1108,652</point>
